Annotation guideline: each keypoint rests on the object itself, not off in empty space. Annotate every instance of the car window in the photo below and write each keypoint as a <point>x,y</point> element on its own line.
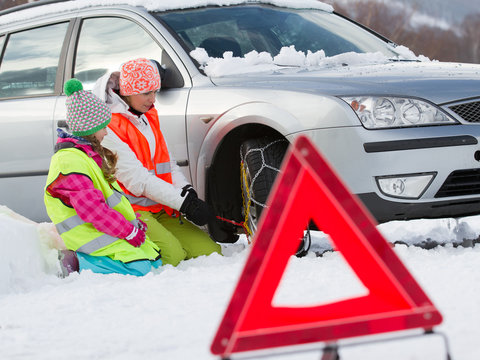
<point>105,43</point>
<point>241,29</point>
<point>30,62</point>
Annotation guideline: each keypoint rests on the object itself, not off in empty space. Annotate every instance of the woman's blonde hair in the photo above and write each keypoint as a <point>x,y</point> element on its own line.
<point>109,159</point>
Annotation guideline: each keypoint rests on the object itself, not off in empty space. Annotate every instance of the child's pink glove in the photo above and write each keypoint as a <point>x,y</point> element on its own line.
<point>141,225</point>
<point>136,237</point>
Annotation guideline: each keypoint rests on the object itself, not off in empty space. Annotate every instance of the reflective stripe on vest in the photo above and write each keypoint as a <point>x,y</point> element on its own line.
<point>68,224</point>
<point>164,168</point>
<point>97,243</point>
<point>140,200</point>
<point>114,199</point>
<point>94,244</point>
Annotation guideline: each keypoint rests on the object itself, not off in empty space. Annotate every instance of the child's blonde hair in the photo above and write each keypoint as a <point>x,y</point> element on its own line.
<point>109,159</point>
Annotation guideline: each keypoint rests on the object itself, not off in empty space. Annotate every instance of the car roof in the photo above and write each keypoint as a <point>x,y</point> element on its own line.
<point>32,9</point>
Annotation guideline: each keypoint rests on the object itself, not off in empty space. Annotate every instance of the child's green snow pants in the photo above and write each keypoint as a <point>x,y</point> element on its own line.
<point>177,240</point>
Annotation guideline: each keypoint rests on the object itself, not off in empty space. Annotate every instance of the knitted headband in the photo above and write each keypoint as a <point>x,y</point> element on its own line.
<point>138,76</point>
<point>86,113</point>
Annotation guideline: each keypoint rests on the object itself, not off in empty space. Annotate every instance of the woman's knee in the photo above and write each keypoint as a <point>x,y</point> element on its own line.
<point>172,257</point>
<point>202,246</point>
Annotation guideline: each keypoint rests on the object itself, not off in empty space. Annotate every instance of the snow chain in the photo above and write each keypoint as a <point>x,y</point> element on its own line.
<point>243,181</point>
<point>249,200</point>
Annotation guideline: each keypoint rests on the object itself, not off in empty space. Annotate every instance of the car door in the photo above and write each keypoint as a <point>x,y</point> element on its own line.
<point>30,66</point>
<point>105,42</point>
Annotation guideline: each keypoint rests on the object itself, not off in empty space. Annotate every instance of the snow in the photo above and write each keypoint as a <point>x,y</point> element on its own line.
<point>174,313</point>
<point>152,5</point>
<point>289,56</point>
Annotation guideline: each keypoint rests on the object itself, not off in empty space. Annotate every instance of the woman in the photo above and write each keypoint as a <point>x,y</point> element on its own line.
<point>95,220</point>
<point>146,169</point>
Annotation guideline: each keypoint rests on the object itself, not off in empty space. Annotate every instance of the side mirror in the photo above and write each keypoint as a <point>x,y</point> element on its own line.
<point>169,74</point>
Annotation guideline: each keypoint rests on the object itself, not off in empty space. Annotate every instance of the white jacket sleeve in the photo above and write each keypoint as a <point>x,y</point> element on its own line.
<point>178,178</point>
<point>137,179</point>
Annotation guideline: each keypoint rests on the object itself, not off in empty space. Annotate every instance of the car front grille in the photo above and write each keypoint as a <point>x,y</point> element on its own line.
<point>461,182</point>
<point>469,111</point>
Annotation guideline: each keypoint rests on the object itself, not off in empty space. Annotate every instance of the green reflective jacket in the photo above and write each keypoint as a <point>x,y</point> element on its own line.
<point>81,236</point>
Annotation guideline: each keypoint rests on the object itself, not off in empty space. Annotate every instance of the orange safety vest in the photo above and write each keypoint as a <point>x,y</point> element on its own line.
<point>159,165</point>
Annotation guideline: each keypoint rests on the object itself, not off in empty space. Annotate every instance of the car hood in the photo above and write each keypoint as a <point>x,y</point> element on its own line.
<point>438,82</point>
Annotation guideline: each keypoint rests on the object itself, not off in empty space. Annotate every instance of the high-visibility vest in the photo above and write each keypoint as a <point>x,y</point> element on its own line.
<point>79,235</point>
<point>159,164</point>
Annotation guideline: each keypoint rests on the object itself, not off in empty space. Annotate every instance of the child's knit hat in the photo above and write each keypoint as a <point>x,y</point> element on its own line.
<point>139,76</point>
<point>86,113</point>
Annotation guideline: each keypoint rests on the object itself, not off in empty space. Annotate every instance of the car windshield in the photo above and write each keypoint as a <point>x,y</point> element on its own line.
<point>263,28</point>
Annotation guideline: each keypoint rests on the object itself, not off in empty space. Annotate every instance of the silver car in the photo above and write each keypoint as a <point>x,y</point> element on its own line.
<point>401,132</point>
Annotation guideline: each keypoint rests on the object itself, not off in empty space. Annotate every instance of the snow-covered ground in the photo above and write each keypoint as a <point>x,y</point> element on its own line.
<point>174,313</point>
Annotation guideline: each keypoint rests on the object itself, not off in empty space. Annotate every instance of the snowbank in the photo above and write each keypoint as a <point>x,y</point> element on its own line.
<point>26,251</point>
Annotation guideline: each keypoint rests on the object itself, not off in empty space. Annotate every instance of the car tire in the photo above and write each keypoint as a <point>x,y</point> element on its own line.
<point>261,160</point>
<point>260,163</point>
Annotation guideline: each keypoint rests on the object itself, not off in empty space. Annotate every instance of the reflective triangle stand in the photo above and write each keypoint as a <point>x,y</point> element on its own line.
<point>331,350</point>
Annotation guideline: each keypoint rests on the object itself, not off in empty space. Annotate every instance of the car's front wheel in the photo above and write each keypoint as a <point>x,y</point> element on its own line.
<point>260,163</point>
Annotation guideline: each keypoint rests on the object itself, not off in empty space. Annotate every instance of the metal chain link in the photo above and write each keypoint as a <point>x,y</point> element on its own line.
<point>248,190</point>
<point>247,207</point>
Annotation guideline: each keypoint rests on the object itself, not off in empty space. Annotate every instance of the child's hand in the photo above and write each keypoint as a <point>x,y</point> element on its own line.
<point>136,237</point>
<point>141,225</point>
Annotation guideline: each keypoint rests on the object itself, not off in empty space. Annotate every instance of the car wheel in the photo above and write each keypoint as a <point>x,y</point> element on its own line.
<point>260,163</point>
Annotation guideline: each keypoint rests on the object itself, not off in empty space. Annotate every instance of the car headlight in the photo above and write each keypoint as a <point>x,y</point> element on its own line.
<point>377,112</point>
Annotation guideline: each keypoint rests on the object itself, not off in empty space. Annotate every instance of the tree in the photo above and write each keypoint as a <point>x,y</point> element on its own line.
<point>435,43</point>
<point>471,36</point>
<point>4,4</point>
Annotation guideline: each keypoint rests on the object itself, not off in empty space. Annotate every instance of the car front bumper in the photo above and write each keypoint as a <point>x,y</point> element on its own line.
<point>360,157</point>
<point>385,210</point>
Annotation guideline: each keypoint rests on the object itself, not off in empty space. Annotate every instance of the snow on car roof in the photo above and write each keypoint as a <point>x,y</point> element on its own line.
<point>150,5</point>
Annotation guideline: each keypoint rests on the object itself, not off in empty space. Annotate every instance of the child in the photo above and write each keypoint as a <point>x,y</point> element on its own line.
<point>146,169</point>
<point>95,220</point>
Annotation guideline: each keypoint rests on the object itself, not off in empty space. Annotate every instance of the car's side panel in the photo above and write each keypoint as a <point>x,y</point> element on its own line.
<point>171,106</point>
<point>31,68</point>
<point>282,111</point>
<point>26,137</point>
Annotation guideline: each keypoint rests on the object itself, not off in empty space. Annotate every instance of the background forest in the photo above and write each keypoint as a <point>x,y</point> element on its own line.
<point>434,39</point>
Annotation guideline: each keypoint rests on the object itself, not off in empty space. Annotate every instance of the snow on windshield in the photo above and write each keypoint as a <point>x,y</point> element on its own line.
<point>288,56</point>
<point>153,5</point>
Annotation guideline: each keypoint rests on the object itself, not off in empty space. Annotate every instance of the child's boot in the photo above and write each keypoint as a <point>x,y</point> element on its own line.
<point>68,262</point>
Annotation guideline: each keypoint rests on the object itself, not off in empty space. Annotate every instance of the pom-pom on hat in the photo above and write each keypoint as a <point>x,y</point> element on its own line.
<point>86,113</point>
<point>139,76</point>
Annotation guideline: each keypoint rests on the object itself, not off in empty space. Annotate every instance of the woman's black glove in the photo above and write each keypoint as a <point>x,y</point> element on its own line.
<point>194,209</point>
<point>188,189</point>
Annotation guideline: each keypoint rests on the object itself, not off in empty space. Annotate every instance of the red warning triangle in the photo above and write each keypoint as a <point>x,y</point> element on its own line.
<point>308,189</point>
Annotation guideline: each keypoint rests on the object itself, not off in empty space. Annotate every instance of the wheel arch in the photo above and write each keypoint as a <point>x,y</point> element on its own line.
<point>222,180</point>
<point>240,121</point>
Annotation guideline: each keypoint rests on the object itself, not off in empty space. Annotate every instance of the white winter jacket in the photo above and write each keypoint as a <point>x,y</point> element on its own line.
<point>130,171</point>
